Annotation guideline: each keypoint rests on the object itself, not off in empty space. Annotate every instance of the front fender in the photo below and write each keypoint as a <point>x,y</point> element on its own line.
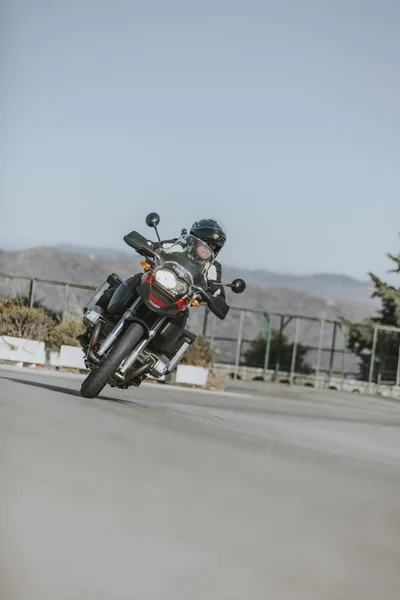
<point>124,295</point>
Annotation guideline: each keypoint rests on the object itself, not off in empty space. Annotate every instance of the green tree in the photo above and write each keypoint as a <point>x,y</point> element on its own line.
<point>255,354</point>
<point>361,334</point>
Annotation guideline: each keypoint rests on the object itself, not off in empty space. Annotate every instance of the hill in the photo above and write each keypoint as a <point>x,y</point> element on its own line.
<point>324,285</point>
<point>300,295</point>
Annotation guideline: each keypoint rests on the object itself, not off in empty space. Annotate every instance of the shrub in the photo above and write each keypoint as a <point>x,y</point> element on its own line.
<point>66,334</point>
<point>10,303</point>
<point>19,321</point>
<point>200,353</point>
<point>56,315</point>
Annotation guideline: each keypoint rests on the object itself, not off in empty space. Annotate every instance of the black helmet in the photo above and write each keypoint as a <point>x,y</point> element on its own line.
<point>210,231</point>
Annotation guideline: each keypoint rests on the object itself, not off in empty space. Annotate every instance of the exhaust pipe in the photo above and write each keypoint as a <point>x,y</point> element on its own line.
<point>138,371</point>
<point>93,341</point>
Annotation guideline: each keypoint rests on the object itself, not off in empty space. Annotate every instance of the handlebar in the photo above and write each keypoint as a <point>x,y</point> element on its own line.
<point>217,305</point>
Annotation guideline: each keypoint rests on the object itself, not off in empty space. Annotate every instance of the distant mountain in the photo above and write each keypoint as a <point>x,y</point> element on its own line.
<point>325,285</point>
<point>95,251</point>
<point>310,296</point>
<point>328,286</point>
<point>52,263</point>
<point>266,292</point>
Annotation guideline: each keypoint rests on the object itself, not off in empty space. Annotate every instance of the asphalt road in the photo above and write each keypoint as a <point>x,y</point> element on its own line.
<point>171,494</point>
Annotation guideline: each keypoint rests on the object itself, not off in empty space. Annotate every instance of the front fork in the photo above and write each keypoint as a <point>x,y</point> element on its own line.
<point>112,337</point>
<point>130,360</point>
<point>116,331</point>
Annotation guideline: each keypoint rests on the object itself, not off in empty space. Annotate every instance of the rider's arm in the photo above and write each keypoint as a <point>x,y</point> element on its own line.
<point>163,244</point>
<point>215,277</point>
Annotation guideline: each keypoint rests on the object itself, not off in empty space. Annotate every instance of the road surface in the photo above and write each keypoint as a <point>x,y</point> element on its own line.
<point>173,494</point>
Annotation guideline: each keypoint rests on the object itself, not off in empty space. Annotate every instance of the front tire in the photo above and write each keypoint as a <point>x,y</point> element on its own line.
<point>97,379</point>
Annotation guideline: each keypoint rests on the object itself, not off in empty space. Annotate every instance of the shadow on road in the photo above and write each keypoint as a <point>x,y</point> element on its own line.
<point>62,390</point>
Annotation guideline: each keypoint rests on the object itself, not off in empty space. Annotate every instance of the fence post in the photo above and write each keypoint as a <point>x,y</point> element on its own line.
<point>332,356</point>
<point>372,360</point>
<point>321,333</point>
<point>382,363</point>
<point>31,293</point>
<point>66,292</point>
<point>344,355</point>
<point>214,322</point>
<point>268,343</point>
<point>294,353</point>
<point>205,320</point>
<point>278,352</point>
<point>239,344</point>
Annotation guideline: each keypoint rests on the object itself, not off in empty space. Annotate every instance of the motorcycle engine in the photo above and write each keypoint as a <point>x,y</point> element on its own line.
<point>92,315</point>
<point>160,365</point>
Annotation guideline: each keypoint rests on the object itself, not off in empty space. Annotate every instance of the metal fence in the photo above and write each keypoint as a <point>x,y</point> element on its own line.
<point>287,343</point>
<point>301,345</point>
<point>295,344</point>
<point>64,297</point>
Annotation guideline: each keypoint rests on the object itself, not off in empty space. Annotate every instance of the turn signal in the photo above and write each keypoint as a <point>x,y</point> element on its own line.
<point>194,302</point>
<point>146,266</point>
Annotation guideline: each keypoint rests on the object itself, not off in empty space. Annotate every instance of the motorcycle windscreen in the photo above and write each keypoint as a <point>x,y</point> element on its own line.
<point>191,257</point>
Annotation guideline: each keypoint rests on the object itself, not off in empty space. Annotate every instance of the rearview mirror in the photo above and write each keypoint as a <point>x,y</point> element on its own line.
<point>238,286</point>
<point>152,219</point>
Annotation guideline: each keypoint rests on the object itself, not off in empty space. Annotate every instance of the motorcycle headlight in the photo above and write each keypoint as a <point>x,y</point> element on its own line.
<point>166,278</point>
<point>170,282</point>
<point>181,288</point>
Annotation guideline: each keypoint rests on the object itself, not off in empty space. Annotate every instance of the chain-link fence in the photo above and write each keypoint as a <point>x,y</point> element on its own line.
<point>292,344</point>
<point>66,299</point>
<point>382,363</point>
<point>299,345</point>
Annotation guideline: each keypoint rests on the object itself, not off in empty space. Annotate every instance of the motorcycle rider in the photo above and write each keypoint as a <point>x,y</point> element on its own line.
<point>212,233</point>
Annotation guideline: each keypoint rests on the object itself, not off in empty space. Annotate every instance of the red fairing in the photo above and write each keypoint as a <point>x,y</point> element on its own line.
<point>147,277</point>
<point>182,304</point>
<point>156,301</point>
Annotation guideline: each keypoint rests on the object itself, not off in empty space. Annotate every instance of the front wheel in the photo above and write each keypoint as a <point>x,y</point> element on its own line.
<point>97,379</point>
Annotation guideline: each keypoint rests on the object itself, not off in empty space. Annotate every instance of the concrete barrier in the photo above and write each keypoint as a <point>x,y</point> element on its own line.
<point>70,357</point>
<point>20,350</point>
<point>54,359</point>
<point>191,375</point>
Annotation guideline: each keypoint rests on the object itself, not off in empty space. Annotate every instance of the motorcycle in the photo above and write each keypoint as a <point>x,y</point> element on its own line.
<point>132,325</point>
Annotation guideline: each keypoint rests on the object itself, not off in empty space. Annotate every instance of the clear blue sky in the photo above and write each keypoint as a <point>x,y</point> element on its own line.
<point>280,118</point>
